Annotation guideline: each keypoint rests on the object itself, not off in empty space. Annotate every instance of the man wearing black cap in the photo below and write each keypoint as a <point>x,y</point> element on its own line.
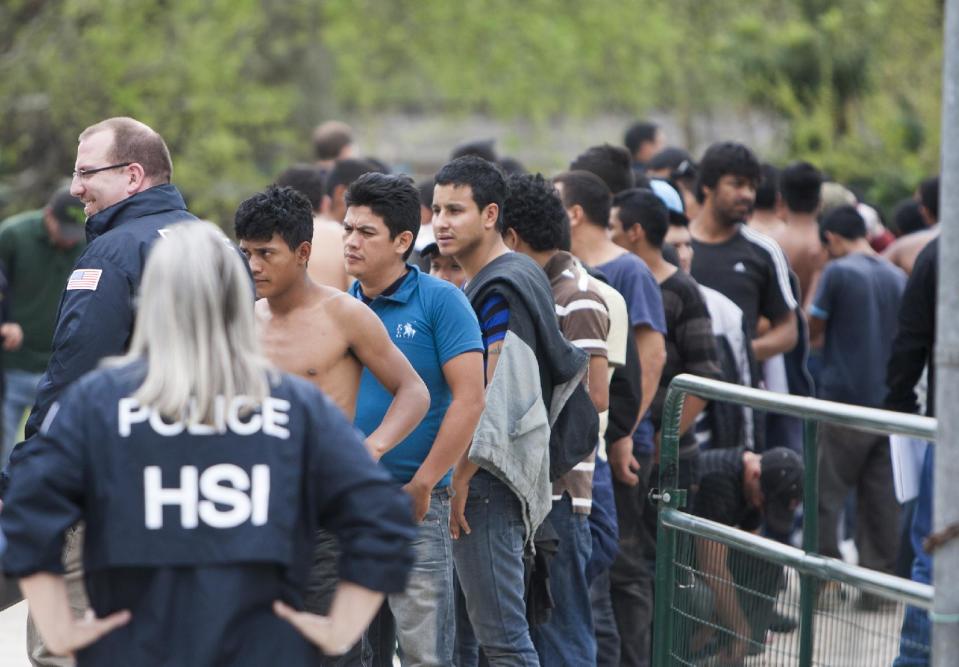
<point>743,489</point>
<point>38,250</point>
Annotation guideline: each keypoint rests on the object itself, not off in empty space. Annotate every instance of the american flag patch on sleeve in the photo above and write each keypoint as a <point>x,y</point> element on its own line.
<point>84,279</point>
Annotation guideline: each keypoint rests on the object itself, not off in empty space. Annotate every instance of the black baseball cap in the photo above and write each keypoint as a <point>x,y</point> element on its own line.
<point>781,480</point>
<point>430,249</point>
<point>68,211</point>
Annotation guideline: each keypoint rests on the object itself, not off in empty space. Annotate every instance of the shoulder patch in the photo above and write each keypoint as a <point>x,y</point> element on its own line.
<point>87,279</point>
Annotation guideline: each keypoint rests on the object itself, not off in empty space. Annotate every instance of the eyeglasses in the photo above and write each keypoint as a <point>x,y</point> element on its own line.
<point>83,173</point>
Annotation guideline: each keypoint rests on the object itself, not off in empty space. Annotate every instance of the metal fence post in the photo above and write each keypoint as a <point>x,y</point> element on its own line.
<point>665,537</point>
<point>945,634</point>
<point>810,541</point>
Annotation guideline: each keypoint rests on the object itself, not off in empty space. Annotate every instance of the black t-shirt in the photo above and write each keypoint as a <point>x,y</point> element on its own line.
<point>720,497</point>
<point>751,270</point>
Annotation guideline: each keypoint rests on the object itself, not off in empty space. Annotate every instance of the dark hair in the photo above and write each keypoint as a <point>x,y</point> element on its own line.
<point>610,163</point>
<point>395,199</point>
<point>307,180</point>
<point>720,159</point>
<point>277,210</point>
<point>378,165</point>
<point>485,178</point>
<point>346,171</point>
<point>511,166</point>
<point>587,190</point>
<point>844,221</point>
<point>907,217</point>
<point>929,195</point>
<point>330,138</point>
<point>768,188</point>
<point>801,185</point>
<point>426,193</point>
<point>535,211</point>
<point>484,148</point>
<point>646,209</point>
<point>638,134</point>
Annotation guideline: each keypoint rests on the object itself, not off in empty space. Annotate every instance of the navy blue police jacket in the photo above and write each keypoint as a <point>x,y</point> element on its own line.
<point>197,529</point>
<point>96,314</point>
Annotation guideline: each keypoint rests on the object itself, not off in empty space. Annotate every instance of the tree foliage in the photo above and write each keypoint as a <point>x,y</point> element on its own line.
<point>235,85</point>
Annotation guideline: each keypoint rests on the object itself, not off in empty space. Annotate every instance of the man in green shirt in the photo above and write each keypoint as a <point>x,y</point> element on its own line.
<point>38,250</point>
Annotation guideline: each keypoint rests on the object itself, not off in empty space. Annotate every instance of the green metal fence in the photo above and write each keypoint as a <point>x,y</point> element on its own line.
<point>847,615</point>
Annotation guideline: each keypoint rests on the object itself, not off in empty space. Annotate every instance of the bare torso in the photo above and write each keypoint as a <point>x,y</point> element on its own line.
<point>904,250</point>
<point>326,265</point>
<point>311,342</point>
<point>803,248</point>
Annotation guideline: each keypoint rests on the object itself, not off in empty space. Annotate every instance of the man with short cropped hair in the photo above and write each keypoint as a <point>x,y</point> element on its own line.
<point>856,307</point>
<point>611,164</point>
<point>587,201</point>
<point>502,484</point>
<point>800,184</point>
<point>765,217</point>
<point>433,325</point>
<point>904,251</point>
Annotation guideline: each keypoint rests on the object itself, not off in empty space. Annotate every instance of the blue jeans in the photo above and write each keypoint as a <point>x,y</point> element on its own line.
<point>604,622</point>
<point>916,635</point>
<point>19,395</point>
<point>568,639</point>
<point>424,614</point>
<point>489,567</point>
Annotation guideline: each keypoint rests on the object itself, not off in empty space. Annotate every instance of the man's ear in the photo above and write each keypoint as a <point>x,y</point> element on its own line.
<point>575,215</point>
<point>402,242</point>
<point>303,251</point>
<point>136,178</point>
<point>490,215</point>
<point>511,238</point>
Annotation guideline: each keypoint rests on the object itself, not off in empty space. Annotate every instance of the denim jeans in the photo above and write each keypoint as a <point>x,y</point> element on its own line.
<point>19,395</point>
<point>568,639</point>
<point>424,614</point>
<point>489,567</point>
<point>916,636</point>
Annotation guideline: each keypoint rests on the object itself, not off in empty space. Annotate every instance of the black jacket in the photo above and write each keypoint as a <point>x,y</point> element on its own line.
<point>913,346</point>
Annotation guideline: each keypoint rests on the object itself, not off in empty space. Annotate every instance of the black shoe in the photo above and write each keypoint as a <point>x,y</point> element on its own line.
<point>783,624</point>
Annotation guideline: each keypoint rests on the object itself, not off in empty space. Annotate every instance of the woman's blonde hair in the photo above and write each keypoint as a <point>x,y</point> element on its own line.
<point>195,327</point>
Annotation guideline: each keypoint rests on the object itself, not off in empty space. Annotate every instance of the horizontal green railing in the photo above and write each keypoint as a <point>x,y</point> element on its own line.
<point>878,583</point>
<point>670,498</point>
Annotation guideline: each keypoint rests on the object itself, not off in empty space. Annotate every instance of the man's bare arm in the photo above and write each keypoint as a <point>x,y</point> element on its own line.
<point>711,558</point>
<point>780,338</point>
<point>597,382</point>
<point>651,346</point>
<point>464,375</point>
<point>371,344</point>
<point>817,329</point>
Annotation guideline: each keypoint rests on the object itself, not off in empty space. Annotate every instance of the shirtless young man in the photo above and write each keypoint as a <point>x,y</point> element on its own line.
<point>800,184</point>
<point>325,336</point>
<point>317,332</point>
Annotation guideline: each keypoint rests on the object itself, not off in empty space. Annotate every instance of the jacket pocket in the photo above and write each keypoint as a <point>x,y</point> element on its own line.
<point>532,420</point>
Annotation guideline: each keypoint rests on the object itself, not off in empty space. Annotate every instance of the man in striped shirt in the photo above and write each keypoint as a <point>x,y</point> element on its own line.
<point>535,224</point>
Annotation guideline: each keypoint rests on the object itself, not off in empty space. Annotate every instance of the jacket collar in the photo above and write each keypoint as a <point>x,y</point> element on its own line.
<point>158,199</point>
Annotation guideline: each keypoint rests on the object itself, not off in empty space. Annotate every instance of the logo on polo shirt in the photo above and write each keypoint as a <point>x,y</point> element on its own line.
<point>405,330</point>
<point>739,267</point>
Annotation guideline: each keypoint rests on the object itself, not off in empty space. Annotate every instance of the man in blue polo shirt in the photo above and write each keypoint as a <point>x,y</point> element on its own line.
<point>433,324</point>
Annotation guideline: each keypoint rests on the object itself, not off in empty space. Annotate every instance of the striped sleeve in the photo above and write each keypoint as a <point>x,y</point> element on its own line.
<point>584,322</point>
<point>494,319</point>
<point>777,299</point>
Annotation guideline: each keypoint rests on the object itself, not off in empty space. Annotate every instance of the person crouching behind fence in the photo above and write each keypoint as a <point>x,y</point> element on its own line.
<point>202,474</point>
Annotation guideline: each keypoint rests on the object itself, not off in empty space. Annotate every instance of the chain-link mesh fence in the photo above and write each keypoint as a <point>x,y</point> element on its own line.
<point>732,608</point>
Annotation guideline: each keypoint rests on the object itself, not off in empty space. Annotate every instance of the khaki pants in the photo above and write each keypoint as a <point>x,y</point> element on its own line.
<point>73,564</point>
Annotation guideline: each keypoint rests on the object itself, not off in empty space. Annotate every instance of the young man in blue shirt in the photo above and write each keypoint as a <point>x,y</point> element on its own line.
<point>432,323</point>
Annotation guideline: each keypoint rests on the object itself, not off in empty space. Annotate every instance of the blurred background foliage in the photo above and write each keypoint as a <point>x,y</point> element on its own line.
<point>235,86</point>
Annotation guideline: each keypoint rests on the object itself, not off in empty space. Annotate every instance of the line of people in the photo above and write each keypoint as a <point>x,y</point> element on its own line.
<point>513,400</point>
